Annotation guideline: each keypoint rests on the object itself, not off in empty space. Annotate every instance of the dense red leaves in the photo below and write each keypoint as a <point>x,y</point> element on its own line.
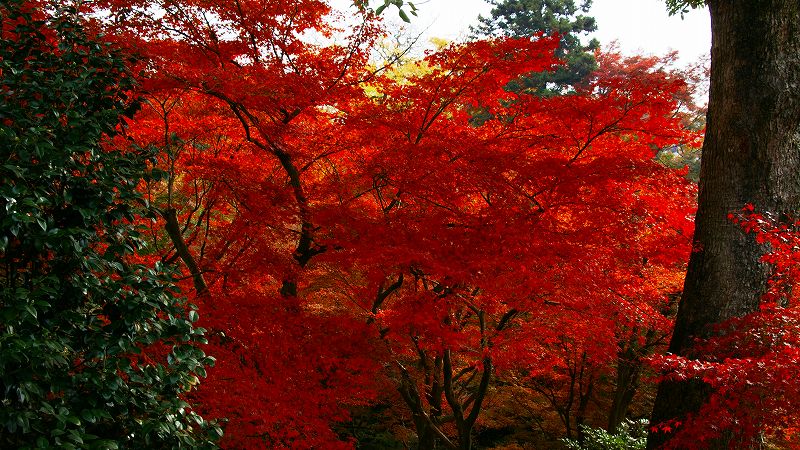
<point>360,231</point>
<point>280,375</point>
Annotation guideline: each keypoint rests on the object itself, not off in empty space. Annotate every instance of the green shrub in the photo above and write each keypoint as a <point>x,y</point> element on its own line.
<point>630,435</point>
<point>96,350</point>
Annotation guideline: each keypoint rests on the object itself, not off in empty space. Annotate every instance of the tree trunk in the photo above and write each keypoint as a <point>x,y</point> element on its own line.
<point>426,436</point>
<point>628,371</point>
<point>173,229</point>
<point>751,154</point>
<point>583,406</point>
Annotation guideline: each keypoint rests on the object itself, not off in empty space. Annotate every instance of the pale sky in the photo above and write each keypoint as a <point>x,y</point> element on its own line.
<point>637,25</point>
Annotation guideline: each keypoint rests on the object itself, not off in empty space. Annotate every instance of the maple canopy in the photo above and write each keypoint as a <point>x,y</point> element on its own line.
<point>354,238</point>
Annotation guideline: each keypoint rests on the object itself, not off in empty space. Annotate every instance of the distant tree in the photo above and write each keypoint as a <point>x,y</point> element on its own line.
<point>527,18</point>
<point>95,348</point>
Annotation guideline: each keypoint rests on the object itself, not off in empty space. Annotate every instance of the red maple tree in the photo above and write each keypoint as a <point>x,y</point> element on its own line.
<point>352,235</point>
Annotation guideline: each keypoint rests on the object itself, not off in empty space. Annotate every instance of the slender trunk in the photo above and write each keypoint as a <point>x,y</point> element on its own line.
<point>627,381</point>
<point>583,406</point>
<point>566,417</point>
<point>306,247</point>
<point>629,372</point>
<point>426,437</point>
<point>750,155</point>
<point>173,229</point>
<point>428,433</point>
<point>465,417</point>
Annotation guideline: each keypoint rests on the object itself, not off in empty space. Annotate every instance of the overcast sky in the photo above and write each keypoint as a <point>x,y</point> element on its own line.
<point>637,25</point>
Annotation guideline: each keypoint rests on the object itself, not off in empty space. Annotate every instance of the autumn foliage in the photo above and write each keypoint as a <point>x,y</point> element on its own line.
<point>356,240</point>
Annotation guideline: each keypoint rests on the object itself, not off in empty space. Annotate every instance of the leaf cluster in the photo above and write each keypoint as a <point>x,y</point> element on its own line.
<point>386,3</point>
<point>749,362</point>
<point>683,6</point>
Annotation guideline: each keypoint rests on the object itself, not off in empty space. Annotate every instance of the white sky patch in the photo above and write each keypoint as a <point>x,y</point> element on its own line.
<point>643,26</point>
<point>638,26</point>
<point>447,19</point>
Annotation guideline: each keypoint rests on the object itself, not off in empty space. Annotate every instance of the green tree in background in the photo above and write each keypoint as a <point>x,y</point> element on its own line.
<point>95,349</point>
<point>526,18</point>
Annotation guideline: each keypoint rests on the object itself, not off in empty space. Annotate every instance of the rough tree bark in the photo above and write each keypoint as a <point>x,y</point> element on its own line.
<point>751,154</point>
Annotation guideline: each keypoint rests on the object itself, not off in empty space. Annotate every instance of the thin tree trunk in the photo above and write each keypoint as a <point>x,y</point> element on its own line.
<point>182,249</point>
<point>628,371</point>
<point>583,406</point>
<point>630,365</point>
<point>751,155</point>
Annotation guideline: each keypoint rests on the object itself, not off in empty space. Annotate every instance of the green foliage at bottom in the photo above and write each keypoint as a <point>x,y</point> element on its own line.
<point>631,435</point>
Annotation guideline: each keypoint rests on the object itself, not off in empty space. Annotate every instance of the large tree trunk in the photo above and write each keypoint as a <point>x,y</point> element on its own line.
<point>751,155</point>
